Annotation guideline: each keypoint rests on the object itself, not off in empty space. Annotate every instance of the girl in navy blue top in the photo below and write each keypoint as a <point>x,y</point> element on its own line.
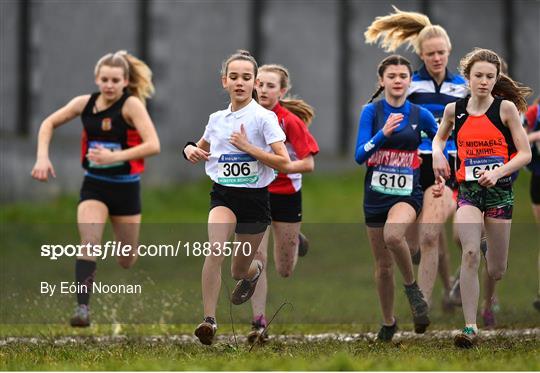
<point>433,86</point>
<point>388,140</point>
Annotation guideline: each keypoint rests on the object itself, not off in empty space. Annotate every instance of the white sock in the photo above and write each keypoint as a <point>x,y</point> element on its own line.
<point>473,326</point>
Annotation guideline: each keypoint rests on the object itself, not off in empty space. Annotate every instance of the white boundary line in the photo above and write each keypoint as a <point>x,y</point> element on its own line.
<point>533,334</point>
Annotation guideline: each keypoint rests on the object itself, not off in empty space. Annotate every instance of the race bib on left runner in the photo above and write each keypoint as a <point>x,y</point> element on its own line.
<point>112,146</point>
<point>393,171</point>
<point>237,168</point>
<point>392,180</point>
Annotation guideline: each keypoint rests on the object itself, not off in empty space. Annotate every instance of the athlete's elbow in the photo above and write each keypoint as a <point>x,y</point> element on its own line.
<point>310,167</point>
<point>155,148</point>
<point>285,167</point>
<point>359,158</point>
<point>528,156</point>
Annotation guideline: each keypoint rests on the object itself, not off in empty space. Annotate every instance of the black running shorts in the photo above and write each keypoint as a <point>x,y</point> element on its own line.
<point>120,198</point>
<point>250,206</point>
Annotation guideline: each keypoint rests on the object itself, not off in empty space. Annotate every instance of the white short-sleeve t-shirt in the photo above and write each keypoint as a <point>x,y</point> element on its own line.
<point>228,165</point>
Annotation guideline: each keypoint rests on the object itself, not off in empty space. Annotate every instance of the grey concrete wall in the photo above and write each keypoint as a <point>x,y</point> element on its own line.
<point>8,65</point>
<point>188,41</point>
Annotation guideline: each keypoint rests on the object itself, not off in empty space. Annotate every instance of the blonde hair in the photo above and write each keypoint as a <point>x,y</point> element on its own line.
<point>297,106</point>
<point>401,27</point>
<point>136,71</point>
<point>505,87</point>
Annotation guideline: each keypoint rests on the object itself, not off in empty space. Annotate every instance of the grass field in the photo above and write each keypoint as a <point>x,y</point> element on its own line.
<point>332,290</point>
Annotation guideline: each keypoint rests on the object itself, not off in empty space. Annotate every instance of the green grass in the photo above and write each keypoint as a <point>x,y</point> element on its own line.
<point>497,354</point>
<point>332,290</point>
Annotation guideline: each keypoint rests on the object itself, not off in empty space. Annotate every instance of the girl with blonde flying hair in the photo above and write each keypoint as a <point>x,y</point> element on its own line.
<point>117,135</point>
<point>491,145</point>
<point>294,116</point>
<point>433,86</point>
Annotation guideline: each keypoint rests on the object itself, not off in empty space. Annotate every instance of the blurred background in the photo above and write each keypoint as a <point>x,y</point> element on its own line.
<point>49,49</point>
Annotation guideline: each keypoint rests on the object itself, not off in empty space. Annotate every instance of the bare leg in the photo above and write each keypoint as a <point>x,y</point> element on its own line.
<point>91,219</point>
<point>469,228</point>
<point>258,299</point>
<point>285,246</point>
<point>384,273</point>
<point>400,218</point>
<point>243,267</point>
<point>221,224</point>
<point>126,232</point>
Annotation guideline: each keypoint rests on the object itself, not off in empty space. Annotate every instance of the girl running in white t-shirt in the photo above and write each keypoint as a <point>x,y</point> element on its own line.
<point>241,145</point>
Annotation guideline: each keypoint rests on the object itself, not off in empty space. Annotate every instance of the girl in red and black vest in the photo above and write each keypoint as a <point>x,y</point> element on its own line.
<point>491,145</point>
<point>117,135</point>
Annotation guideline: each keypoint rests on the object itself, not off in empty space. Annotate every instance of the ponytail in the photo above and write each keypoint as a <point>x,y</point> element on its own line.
<point>376,94</point>
<point>300,108</point>
<point>512,91</point>
<point>140,78</point>
<point>401,27</point>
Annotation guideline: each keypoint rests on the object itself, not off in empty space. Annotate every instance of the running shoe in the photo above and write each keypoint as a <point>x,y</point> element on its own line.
<point>416,257</point>
<point>455,292</point>
<point>244,289</point>
<point>303,245</point>
<point>258,333</point>
<point>467,338</point>
<point>386,333</point>
<point>419,307</point>
<point>536,303</point>
<point>81,317</point>
<point>488,316</point>
<point>206,331</point>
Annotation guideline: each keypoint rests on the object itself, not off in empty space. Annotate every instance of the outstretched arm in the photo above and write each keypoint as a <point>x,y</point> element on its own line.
<point>43,166</point>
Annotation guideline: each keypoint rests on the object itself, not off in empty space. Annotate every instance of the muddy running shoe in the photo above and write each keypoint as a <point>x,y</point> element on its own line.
<point>416,257</point>
<point>81,318</point>
<point>488,316</point>
<point>466,339</point>
<point>536,304</point>
<point>258,333</point>
<point>455,292</point>
<point>244,289</point>
<point>303,245</point>
<point>419,307</point>
<point>386,333</point>
<point>206,331</point>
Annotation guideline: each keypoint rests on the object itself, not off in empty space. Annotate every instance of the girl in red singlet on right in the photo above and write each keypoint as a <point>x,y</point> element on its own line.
<point>491,145</point>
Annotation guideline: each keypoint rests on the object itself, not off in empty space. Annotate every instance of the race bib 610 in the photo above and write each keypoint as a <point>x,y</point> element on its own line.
<point>392,180</point>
